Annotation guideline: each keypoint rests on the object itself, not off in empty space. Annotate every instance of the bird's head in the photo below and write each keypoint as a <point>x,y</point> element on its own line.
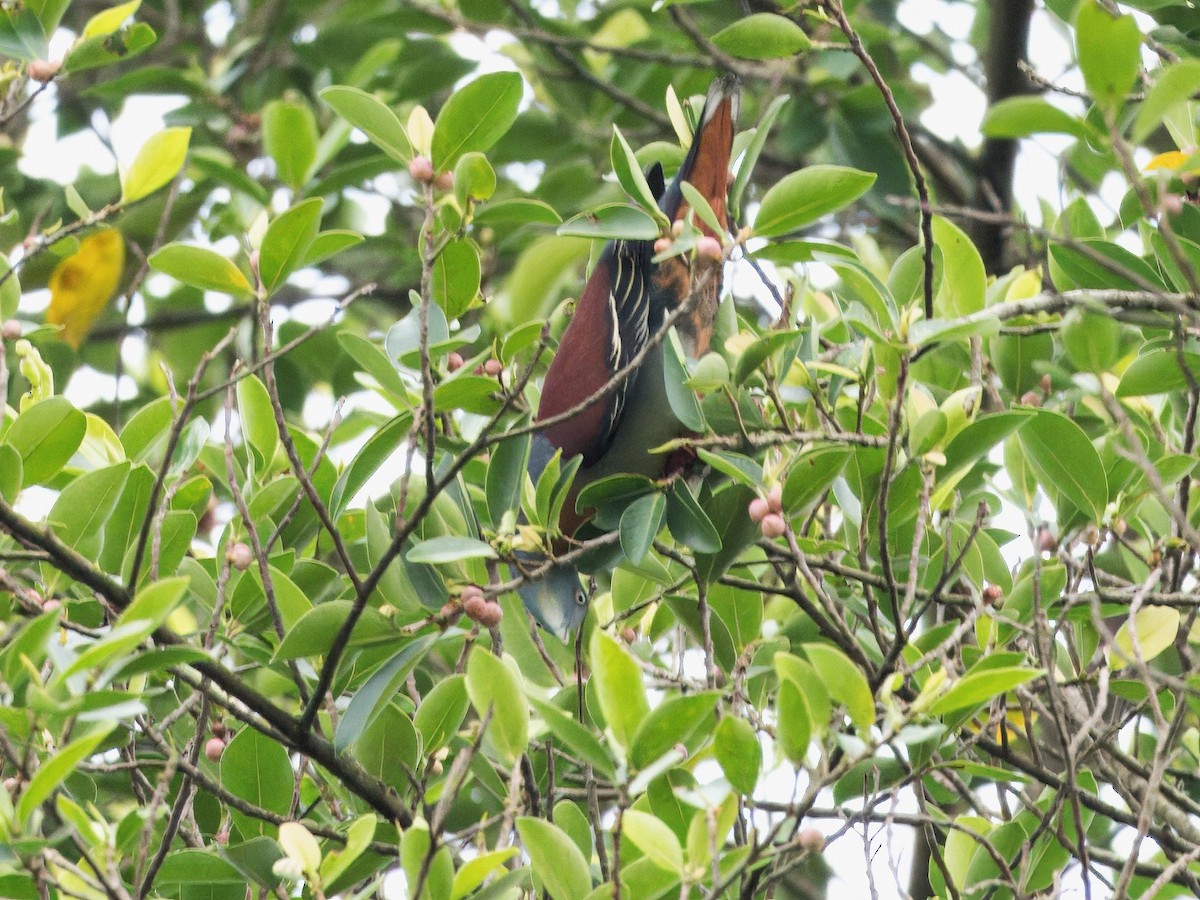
<point>556,600</point>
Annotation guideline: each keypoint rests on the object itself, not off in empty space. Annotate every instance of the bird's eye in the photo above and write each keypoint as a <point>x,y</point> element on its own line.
<point>580,597</point>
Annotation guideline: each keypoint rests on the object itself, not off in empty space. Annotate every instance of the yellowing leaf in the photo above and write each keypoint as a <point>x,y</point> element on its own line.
<point>108,21</point>
<point>1155,628</point>
<point>159,160</point>
<point>1173,160</point>
<point>83,283</point>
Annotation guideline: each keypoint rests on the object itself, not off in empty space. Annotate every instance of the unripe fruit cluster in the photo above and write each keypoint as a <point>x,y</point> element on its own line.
<point>215,745</point>
<point>484,610</point>
<point>768,512</point>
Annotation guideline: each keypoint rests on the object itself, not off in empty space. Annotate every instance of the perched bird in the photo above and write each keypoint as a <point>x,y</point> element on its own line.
<point>624,303</point>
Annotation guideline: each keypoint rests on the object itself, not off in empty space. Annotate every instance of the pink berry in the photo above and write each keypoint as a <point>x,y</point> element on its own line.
<point>708,247</point>
<point>213,748</point>
<point>240,556</point>
<point>11,783</point>
<point>444,181</point>
<point>493,367</point>
<point>221,837</point>
<point>454,361</point>
<point>773,525</point>
<point>51,605</point>
<point>421,169</point>
<point>475,606</point>
<point>491,614</point>
<point>10,330</point>
<point>1030,398</point>
<point>759,509</point>
<point>775,498</point>
<point>992,594</point>
<point>41,70</point>
<point>662,245</point>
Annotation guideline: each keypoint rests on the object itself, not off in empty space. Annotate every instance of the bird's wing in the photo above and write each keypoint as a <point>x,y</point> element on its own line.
<point>608,330</point>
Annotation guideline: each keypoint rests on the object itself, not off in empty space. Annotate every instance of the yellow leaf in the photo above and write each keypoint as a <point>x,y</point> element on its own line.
<point>1176,161</point>
<point>108,21</point>
<point>1154,627</point>
<point>83,283</point>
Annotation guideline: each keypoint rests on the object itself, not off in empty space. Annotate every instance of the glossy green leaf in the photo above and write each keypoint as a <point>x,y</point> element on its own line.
<point>762,36</point>
<point>202,268</point>
<point>372,117</point>
<point>631,178</point>
<point>689,524</point>
<point>55,770</point>
<point>964,280</point>
<point>650,835</point>
<point>619,687</point>
<point>84,506</point>
<point>1174,86</point>
<point>256,768</point>
<point>640,524</point>
<point>495,687</point>
<point>677,720</point>
<point>976,688</point>
<point>736,747</point>
<point>844,681</point>
<point>556,861</point>
<point>314,632</point>
<point>615,221</point>
<point>379,690</point>
<point>1017,117</point>
<point>1157,371</point>
<point>289,131</point>
<point>448,549</point>
<point>1109,49</point>
<point>1063,458</point>
<point>46,435</point>
<point>475,117</point>
<point>287,240</point>
<point>456,275</point>
<point>442,711</point>
<point>258,421</point>
<point>802,197</point>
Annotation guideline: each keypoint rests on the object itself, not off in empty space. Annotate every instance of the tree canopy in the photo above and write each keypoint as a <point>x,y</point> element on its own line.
<point>268,378</point>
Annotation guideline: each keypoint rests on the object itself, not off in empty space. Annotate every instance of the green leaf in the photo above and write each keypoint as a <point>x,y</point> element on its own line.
<point>652,836</point>
<point>1174,87</point>
<point>676,720</point>
<point>504,476</point>
<point>762,36</point>
<point>494,685</point>
<point>844,681</point>
<point>46,435</point>
<point>689,524</point>
<point>1154,627</point>
<point>372,117</point>
<point>442,711</point>
<point>616,221</point>
<point>256,768</point>
<point>55,770</point>
<point>736,747</point>
<point>10,290</point>
<point>1064,459</point>
<point>329,243</point>
<point>475,117</point>
<point>793,728</point>
<point>201,268</point>
<point>456,276</point>
<point>287,241</point>
<point>802,197</point>
<point>1157,371</point>
<point>84,506</point>
<point>576,737</point>
<point>750,157</point>
<point>518,211</point>
<point>640,524</point>
<point>555,858</point>
<point>474,179</point>
<point>379,690</point>
<point>1017,117</point>
<point>975,688</point>
<point>159,161</point>
<point>12,472</point>
<point>448,549</point>
<point>258,421</point>
<point>358,839</point>
<point>1092,340</point>
<point>619,687</point>
<point>682,398</point>
<point>1109,49</point>
<point>629,175</point>
<point>289,133</point>
<point>317,628</point>
<point>811,475</point>
<point>964,281</point>
<point>698,202</point>
<point>375,452</point>
<point>22,35</point>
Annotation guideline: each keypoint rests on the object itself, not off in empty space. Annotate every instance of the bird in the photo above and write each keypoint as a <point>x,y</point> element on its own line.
<point>625,302</point>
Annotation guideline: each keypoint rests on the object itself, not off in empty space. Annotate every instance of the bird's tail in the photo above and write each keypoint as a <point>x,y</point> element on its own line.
<point>706,166</point>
